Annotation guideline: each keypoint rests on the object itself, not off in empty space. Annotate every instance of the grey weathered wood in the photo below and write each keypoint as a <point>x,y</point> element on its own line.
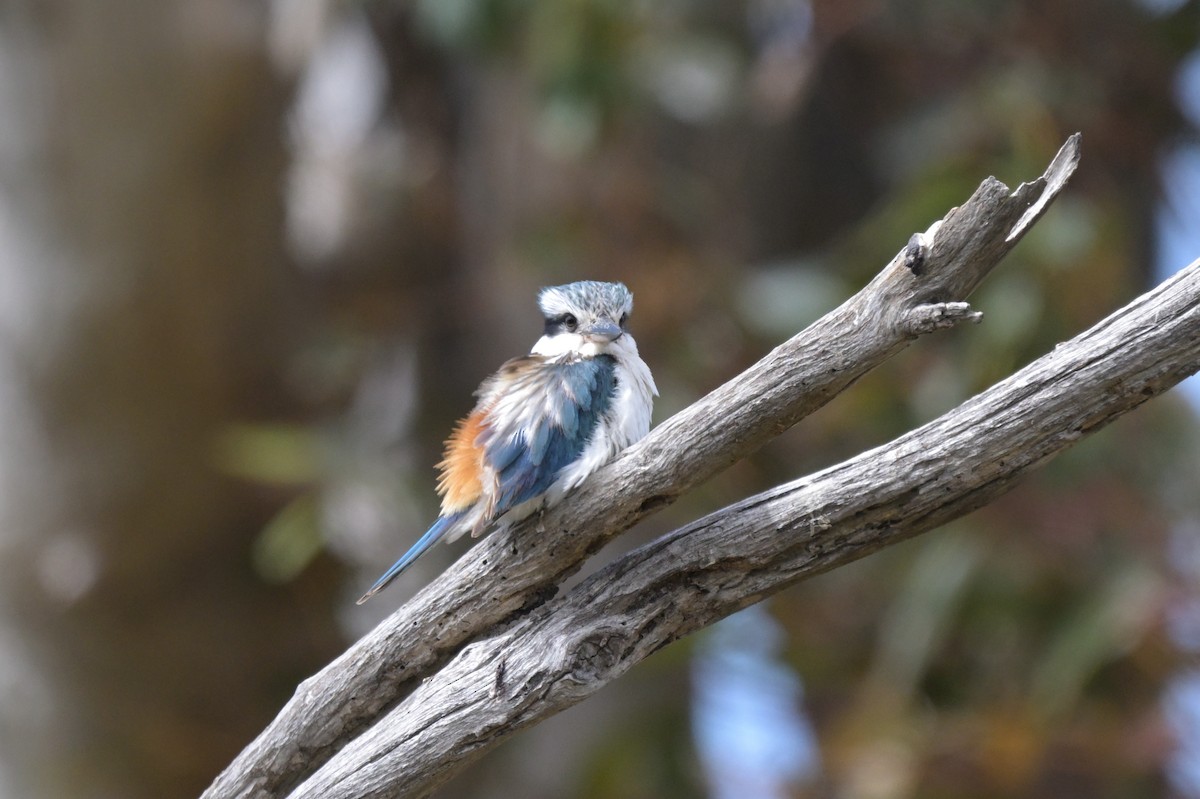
<point>513,572</point>
<point>572,646</point>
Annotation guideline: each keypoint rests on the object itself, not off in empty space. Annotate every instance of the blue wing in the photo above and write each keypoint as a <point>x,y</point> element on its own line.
<point>541,416</point>
<point>543,422</point>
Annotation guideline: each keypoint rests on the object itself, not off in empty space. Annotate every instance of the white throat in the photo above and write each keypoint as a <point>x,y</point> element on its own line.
<point>569,344</point>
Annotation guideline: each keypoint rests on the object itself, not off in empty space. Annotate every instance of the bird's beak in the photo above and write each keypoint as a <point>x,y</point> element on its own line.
<point>603,332</point>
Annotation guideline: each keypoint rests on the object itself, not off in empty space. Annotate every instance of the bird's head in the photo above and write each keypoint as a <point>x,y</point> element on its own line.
<point>587,318</point>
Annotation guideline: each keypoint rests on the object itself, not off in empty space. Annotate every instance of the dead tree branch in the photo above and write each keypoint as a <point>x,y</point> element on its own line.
<point>571,647</point>
<point>323,743</point>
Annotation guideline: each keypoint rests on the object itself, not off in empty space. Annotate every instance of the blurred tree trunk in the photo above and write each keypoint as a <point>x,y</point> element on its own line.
<point>141,156</point>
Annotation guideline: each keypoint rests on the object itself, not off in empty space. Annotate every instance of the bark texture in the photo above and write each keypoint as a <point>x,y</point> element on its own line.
<point>485,649</point>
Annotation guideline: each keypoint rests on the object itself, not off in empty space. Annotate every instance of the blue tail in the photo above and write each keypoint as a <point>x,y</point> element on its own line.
<point>430,538</point>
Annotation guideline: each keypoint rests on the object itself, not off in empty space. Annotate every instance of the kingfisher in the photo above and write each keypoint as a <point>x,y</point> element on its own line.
<point>544,421</point>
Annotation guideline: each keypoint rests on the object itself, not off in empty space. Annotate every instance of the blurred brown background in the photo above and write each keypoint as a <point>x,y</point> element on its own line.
<point>254,257</point>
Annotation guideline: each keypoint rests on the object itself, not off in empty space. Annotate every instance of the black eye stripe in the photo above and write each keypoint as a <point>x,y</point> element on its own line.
<point>569,322</point>
<point>566,322</point>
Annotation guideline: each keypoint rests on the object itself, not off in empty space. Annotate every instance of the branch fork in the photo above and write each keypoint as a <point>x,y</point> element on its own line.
<point>488,648</point>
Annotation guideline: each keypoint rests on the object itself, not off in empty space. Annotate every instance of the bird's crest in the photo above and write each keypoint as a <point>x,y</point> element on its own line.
<point>587,297</point>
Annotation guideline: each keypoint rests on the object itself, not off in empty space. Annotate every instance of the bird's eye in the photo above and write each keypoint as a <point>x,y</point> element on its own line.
<point>624,320</point>
<point>570,322</point>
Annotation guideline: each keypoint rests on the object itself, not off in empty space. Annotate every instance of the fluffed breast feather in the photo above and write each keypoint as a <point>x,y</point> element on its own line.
<point>459,482</point>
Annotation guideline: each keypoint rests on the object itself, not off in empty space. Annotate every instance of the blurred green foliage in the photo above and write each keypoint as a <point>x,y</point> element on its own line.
<point>746,166</point>
<point>743,167</point>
